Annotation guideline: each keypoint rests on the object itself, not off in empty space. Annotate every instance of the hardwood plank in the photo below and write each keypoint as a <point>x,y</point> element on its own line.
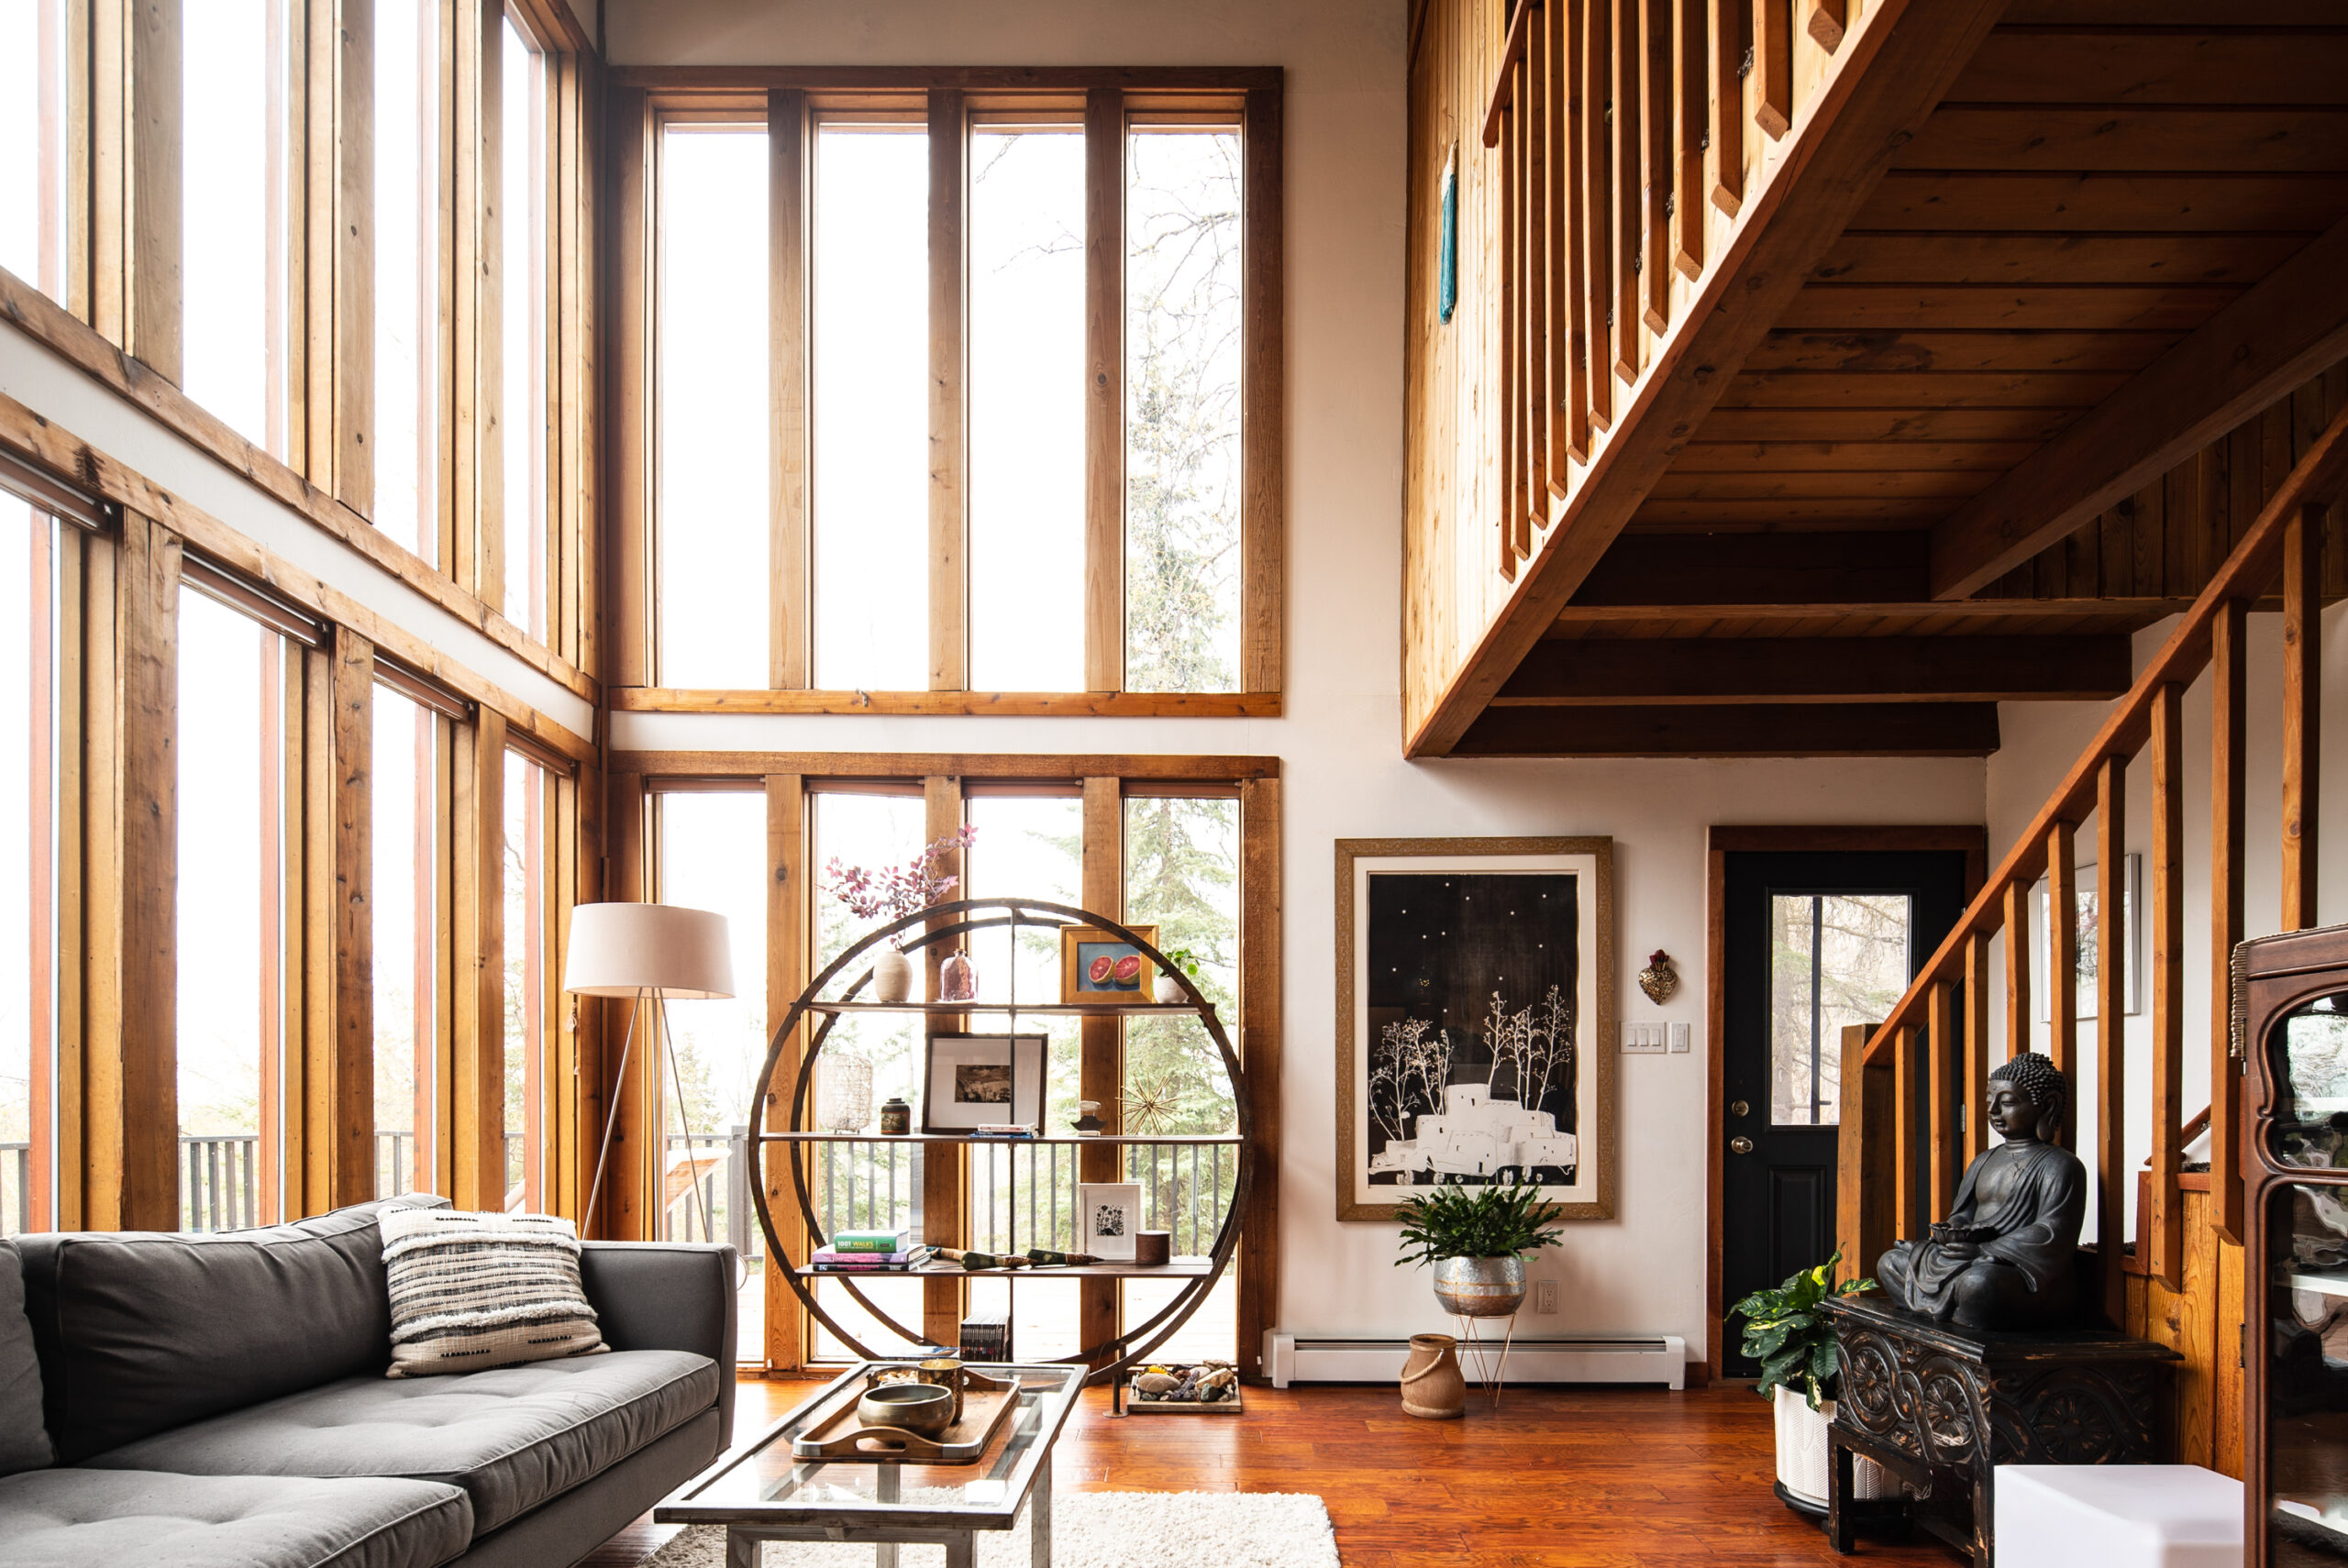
<point>2152,65</point>
<point>2011,260</point>
<point>152,286</point>
<point>1908,353</point>
<point>1692,100</point>
<point>1741,426</point>
<point>2166,895</point>
<point>1938,389</point>
<point>1850,457</point>
<point>1263,529</point>
<point>478,1112</point>
<point>1907,1163</point>
<point>1852,728</point>
<point>2259,348</point>
<point>1260,1042</point>
<point>1942,201</point>
<point>950,586</point>
<point>1836,513</point>
<point>1597,182</point>
<point>787,274</point>
<point>1950,307</point>
<point>1104,409</point>
<point>1657,247</point>
<point>626,608</point>
<point>1101,1068</point>
<point>1826,21</point>
<point>1783,671</point>
<point>2113,1168</point>
<point>2132,139</point>
<point>1805,485</point>
<point>1571,320</point>
<point>2302,712</point>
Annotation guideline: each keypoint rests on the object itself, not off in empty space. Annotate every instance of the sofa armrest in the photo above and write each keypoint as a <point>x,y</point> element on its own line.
<point>666,1296</point>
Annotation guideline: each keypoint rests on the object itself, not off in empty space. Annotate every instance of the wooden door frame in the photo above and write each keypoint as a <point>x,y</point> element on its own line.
<point>1719,842</point>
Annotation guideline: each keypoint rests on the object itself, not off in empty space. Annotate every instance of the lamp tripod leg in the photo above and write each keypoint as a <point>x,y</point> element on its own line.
<point>692,1171</point>
<point>611,1118</point>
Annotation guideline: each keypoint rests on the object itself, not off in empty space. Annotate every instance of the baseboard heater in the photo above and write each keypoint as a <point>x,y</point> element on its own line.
<point>1604,1358</point>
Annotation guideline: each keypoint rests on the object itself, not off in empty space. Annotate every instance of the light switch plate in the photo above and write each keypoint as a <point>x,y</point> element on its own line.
<point>1678,1039</point>
<point>1642,1040</point>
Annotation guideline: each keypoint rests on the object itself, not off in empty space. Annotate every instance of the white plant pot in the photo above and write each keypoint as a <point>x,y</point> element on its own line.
<point>1169,991</point>
<point>1802,1462</point>
<point>893,978</point>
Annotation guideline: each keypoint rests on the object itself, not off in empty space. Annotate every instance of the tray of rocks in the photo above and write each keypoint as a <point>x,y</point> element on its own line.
<point>1184,1389</point>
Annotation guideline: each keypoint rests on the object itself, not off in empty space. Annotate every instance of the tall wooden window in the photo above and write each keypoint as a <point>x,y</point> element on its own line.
<point>409,805</point>
<point>522,302</point>
<point>34,202</point>
<point>239,885</point>
<point>407,241</point>
<point>237,235</point>
<point>30,542</point>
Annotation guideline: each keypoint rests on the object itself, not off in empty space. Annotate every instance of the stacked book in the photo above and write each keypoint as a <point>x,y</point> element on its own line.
<point>869,1252</point>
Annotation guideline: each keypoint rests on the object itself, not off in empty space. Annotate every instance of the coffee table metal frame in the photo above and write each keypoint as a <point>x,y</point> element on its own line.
<point>882,1521</point>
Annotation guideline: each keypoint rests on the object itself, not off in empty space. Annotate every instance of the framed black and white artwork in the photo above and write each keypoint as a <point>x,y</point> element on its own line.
<point>1475,991</point>
<point>1108,1213</point>
<point>977,1080</point>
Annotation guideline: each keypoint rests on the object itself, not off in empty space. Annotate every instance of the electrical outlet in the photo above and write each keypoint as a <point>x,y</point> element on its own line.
<point>1642,1040</point>
<point>1545,1296</point>
<point>1678,1039</point>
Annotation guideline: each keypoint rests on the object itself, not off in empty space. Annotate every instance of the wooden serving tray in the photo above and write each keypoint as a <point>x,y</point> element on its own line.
<point>838,1435</point>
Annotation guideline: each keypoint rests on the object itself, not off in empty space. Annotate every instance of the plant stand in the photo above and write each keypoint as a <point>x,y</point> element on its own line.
<point>1490,1369</point>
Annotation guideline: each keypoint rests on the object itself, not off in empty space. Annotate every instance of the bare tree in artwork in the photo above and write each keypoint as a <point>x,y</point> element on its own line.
<point>1534,1045</point>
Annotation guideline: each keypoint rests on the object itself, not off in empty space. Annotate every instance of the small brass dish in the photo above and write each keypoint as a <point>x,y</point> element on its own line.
<point>922,1408</point>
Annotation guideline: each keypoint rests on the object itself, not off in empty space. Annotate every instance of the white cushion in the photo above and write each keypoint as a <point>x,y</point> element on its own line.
<point>473,1291</point>
<point>2117,1516</point>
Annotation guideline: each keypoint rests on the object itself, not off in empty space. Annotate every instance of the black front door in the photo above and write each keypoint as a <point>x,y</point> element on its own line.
<point>1815,940</point>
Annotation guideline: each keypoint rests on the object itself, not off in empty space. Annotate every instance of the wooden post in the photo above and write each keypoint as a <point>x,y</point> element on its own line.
<point>2167,1217</point>
<point>2017,1024</point>
<point>478,1107</point>
<point>1773,67</point>
<point>787,332</point>
<point>1597,181</point>
<point>1263,520</point>
<point>1940,1025</point>
<point>787,917</point>
<point>1655,250</point>
<point>1100,1062</point>
<point>1690,102</point>
<point>1104,389</point>
<point>1730,28</point>
<point>1908,1202</point>
<point>2302,712</point>
<point>348,1134</point>
<point>2229,744</point>
<point>1627,160</point>
<point>949,587</point>
<point>1258,1042</point>
<point>2113,1172</point>
<point>1866,1225</point>
<point>945,1170</point>
<point>1573,320</point>
<point>1977,1045</point>
<point>2063,967</point>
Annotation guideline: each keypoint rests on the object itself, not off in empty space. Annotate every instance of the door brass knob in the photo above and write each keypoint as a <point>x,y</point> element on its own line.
<point>1739,1108</point>
<point>1740,1145</point>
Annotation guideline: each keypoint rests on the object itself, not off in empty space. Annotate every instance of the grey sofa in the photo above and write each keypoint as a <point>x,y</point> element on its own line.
<point>220,1402</point>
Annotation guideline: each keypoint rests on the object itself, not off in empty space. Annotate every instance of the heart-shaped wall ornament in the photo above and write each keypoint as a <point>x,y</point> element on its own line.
<point>1657,980</point>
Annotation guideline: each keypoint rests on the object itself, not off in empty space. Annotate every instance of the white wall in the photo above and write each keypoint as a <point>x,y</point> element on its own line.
<point>1340,745</point>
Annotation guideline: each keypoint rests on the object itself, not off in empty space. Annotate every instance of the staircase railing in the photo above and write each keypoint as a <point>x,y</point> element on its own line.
<point>1903,1143</point>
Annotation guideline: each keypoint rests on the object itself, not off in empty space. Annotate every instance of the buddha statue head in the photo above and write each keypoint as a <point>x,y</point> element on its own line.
<point>2026,1099</point>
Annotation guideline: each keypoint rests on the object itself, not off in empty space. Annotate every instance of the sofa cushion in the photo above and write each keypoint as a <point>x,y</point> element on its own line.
<point>512,1437</point>
<point>24,1441</point>
<point>141,1331</point>
<point>71,1518</point>
<point>473,1291</point>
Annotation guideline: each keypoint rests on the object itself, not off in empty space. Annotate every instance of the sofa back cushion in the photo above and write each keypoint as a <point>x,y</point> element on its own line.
<point>141,1332</point>
<point>23,1440</point>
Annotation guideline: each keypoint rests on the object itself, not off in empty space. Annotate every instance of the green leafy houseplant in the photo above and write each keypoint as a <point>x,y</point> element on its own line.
<point>1182,958</point>
<point>1788,1335</point>
<point>1475,1222</point>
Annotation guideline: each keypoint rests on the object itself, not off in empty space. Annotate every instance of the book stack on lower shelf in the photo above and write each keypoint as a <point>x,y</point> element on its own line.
<point>869,1252</point>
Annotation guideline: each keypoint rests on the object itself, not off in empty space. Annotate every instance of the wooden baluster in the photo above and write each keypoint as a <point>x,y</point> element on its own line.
<point>2017,1027</point>
<point>1773,66</point>
<point>1626,140</point>
<point>1568,424</point>
<point>1977,1044</point>
<point>1654,94</point>
<point>2113,1172</point>
<point>1829,20</point>
<point>2302,708</point>
<point>2167,1213</point>
<point>1598,180</point>
<point>1533,285</point>
<point>1574,241</point>
<point>1940,1089</point>
<point>2229,749</point>
<point>1731,30</point>
<point>2063,967</point>
<point>1907,1201</point>
<point>1511,420</point>
<point>1690,102</point>
<point>1865,1225</point>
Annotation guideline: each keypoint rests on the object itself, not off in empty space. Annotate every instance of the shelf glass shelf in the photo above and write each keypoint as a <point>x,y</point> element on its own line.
<point>1180,1268</point>
<point>1068,1010</point>
<point>1228,1139</point>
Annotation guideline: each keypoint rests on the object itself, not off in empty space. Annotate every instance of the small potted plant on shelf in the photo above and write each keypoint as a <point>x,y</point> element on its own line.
<point>893,892</point>
<point>1801,1369</point>
<point>1168,986</point>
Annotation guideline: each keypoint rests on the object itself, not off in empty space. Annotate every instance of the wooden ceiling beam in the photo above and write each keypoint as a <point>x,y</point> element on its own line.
<point>2270,340</point>
<point>1868,567</point>
<point>1822,729</point>
<point>1798,671</point>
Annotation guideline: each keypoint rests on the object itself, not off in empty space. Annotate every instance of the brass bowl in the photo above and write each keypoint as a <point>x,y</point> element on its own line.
<point>922,1408</point>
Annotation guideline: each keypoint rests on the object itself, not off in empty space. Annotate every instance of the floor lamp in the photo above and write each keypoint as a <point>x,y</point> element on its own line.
<point>659,952</point>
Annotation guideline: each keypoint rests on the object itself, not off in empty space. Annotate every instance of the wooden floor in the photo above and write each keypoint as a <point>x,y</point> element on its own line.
<point>1593,1478</point>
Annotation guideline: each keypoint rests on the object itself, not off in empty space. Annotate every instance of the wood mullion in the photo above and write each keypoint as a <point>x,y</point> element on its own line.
<point>626,605</point>
<point>1628,157</point>
<point>2230,749</point>
<point>944,1167</point>
<point>306,827</point>
<point>350,742</point>
<point>1597,185</point>
<point>1690,102</point>
<point>949,544</point>
<point>1656,248</point>
<point>1731,28</point>
<point>331,376</point>
<point>631,1171</point>
<point>488,362</point>
<point>139,288</point>
<point>1263,519</point>
<point>573,222</point>
<point>2063,964</point>
<point>1259,1044</point>
<point>788,956</point>
<point>1104,390</point>
<point>2113,1172</point>
<point>1101,1041</point>
<point>2166,1221</point>
<point>478,1102</point>
<point>788,186</point>
<point>2302,711</point>
<point>81,790</point>
<point>475,467</point>
<point>132,1149</point>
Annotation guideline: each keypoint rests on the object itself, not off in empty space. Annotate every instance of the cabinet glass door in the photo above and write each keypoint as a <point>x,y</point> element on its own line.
<point>2307,1343</point>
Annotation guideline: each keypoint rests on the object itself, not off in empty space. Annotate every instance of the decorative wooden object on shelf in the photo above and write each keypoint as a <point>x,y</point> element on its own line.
<point>840,1436</point>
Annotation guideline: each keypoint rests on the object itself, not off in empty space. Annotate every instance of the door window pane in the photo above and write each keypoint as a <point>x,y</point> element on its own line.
<point>1835,959</point>
<point>233,876</point>
<point>1183,338</point>
<point>713,407</point>
<point>872,408</point>
<point>29,542</point>
<point>33,208</point>
<point>522,301</point>
<point>407,243</point>
<point>405,827</point>
<point>527,792</point>
<point>1026,410</point>
<point>234,222</point>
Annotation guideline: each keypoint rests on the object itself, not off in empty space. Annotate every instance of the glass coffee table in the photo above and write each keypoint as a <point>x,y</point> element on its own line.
<point>762,1492</point>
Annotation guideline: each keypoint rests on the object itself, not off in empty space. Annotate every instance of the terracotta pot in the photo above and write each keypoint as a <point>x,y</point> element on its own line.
<point>1431,1383</point>
<point>1802,1458</point>
<point>1479,1287</point>
<point>893,978</point>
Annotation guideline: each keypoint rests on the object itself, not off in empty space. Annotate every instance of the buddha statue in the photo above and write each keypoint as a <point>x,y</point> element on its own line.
<point>2006,1255</point>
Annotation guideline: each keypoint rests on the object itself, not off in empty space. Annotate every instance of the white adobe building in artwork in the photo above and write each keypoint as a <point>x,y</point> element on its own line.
<point>1477,1136</point>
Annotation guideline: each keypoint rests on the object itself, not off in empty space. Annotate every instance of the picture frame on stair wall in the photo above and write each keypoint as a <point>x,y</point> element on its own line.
<point>1476,1003</point>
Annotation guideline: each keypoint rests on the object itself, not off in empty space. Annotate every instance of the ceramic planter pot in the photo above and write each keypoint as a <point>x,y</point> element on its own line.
<point>1432,1386</point>
<point>1479,1287</point>
<point>1802,1457</point>
<point>893,978</point>
<point>1169,991</point>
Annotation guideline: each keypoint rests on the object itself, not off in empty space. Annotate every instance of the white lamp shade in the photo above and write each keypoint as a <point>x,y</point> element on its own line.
<point>626,950</point>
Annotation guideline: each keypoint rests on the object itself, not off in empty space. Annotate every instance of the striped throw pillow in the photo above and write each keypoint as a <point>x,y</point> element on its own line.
<point>471,1291</point>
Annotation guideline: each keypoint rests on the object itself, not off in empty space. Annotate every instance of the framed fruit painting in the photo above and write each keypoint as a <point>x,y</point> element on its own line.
<point>1100,965</point>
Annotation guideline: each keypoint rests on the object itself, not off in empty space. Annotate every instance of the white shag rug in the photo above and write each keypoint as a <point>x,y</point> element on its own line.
<point>1089,1529</point>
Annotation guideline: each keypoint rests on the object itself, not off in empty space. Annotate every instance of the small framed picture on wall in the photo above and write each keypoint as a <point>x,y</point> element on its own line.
<point>1108,1214</point>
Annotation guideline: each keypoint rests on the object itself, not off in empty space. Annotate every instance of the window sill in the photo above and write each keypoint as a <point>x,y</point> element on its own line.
<point>1021,704</point>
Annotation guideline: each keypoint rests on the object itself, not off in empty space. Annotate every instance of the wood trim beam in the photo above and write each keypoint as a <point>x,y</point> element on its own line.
<point>1260,1044</point>
<point>921,765</point>
<point>629,178</point>
<point>1820,669</point>
<point>1817,729</point>
<point>2275,337</point>
<point>477,1109</point>
<point>1891,71</point>
<point>1263,520</point>
<point>967,78</point>
<point>788,954</point>
<point>945,1166</point>
<point>1101,1042</point>
<point>349,1132</point>
<point>950,552</point>
<point>1104,390</point>
<point>789,271</point>
<point>1025,704</point>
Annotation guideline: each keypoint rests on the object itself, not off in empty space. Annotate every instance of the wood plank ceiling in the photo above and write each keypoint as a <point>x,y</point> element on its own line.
<point>2087,196</point>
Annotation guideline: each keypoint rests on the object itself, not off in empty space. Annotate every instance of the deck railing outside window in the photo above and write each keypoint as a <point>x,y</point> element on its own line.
<point>219,1187</point>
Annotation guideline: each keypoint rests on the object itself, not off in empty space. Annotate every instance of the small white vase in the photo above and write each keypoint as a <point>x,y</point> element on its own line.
<point>893,978</point>
<point>1803,1464</point>
<point>1169,989</point>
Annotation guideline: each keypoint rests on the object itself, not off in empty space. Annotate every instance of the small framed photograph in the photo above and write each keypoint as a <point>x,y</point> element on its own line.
<point>1108,1214</point>
<point>1100,965</point>
<point>983,1080</point>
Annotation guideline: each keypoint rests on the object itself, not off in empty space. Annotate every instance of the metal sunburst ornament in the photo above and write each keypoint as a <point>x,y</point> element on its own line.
<point>1150,1108</point>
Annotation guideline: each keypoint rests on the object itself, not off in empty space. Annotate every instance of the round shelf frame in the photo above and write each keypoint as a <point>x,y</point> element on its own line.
<point>943,926</point>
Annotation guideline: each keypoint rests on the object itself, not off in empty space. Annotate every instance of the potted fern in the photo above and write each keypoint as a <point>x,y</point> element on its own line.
<point>1801,1369</point>
<point>1477,1238</point>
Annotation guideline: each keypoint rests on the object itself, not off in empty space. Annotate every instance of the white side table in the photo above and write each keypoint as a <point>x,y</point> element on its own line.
<point>2117,1516</point>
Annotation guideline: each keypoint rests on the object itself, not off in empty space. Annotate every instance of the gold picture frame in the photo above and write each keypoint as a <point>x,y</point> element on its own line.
<point>1556,1019</point>
<point>1075,959</point>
